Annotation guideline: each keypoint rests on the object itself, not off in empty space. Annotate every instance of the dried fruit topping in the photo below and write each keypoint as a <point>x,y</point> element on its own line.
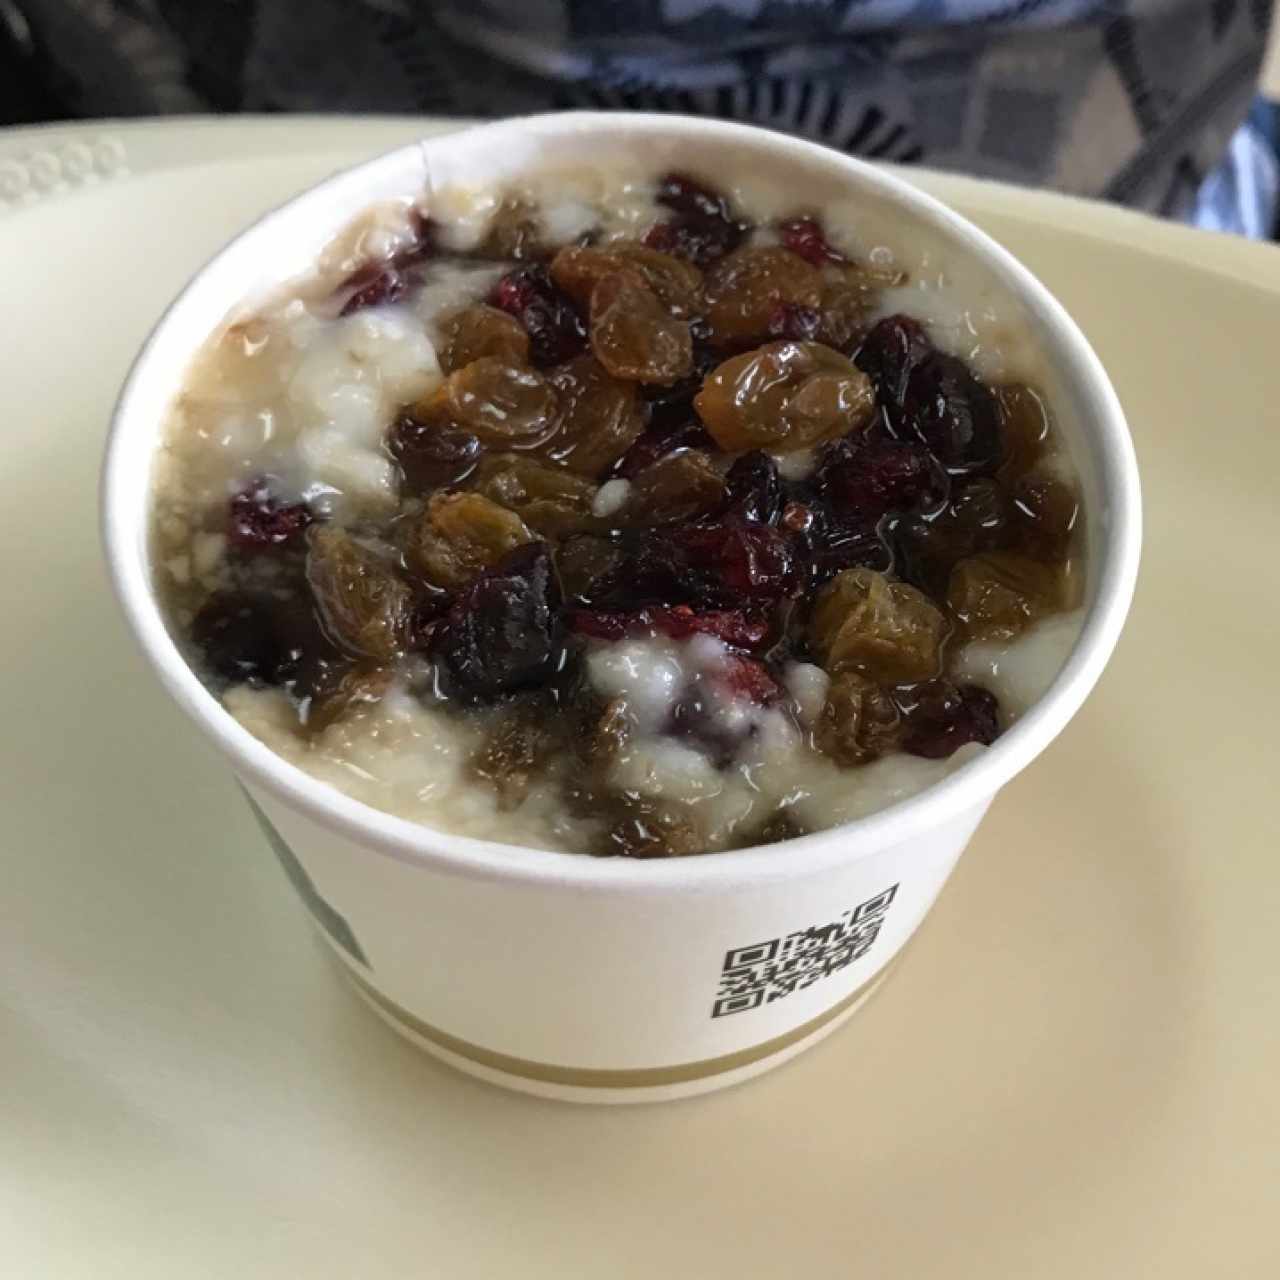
<point>998,595</point>
<point>671,408</point>
<point>555,329</point>
<point>940,717</point>
<point>705,227</point>
<point>512,233</point>
<point>847,298</point>
<point>734,558</point>
<point>601,417</point>
<point>633,334</point>
<point>362,601</point>
<point>784,396</point>
<point>432,456</point>
<point>795,323</point>
<point>870,478</point>
<point>610,735</point>
<point>859,721</point>
<point>806,237</point>
<point>932,397</point>
<point>550,500</point>
<point>749,678</point>
<point>1024,429</point>
<point>679,486</point>
<point>261,637</point>
<point>1043,514</point>
<point>676,283</point>
<point>372,285</point>
<point>754,488</point>
<point>459,534</point>
<point>863,621</point>
<point>783,825</point>
<point>829,545</point>
<point>514,752</point>
<point>744,290</point>
<point>259,521</point>
<point>586,565</point>
<point>657,442</point>
<point>364,685</point>
<point>480,331</point>
<point>499,402</point>
<point>735,627</point>
<point>645,829</point>
<point>502,633</point>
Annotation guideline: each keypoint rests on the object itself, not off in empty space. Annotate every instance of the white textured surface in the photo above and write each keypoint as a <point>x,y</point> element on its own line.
<point>1072,1074</point>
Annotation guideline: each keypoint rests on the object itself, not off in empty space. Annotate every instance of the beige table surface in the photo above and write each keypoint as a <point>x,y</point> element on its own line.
<point>1074,1073</point>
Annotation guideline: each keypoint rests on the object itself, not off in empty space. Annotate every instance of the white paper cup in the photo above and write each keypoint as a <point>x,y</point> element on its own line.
<point>608,979</point>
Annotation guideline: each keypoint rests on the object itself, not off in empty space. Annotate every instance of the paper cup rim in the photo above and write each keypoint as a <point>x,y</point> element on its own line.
<point>131,445</point>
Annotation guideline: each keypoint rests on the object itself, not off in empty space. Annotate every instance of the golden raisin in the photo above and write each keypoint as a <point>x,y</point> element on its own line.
<point>887,630</point>
<point>481,331</point>
<point>744,289</point>
<point>513,753</point>
<point>600,417</point>
<point>513,232</point>
<point>459,534</point>
<point>584,562</point>
<point>362,601</point>
<point>1024,429</point>
<point>784,396</point>
<point>499,402</point>
<point>358,686</point>
<point>679,486</point>
<point>859,720</point>
<point>998,595</point>
<point>548,499</point>
<point>633,334</point>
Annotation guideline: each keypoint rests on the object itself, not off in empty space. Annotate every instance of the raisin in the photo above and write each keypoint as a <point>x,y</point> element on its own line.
<point>1024,429</point>
<point>805,237</point>
<point>550,500</point>
<point>679,486</point>
<point>744,290</point>
<point>859,721</point>
<point>555,329</point>
<point>829,545</point>
<point>887,630</point>
<point>431,456</point>
<point>260,637</point>
<point>658,442</point>
<point>676,283</point>
<point>705,227</point>
<point>259,521</point>
<point>1043,514</point>
<point>870,478</point>
<point>754,488</point>
<point>513,753</point>
<point>362,602</point>
<point>783,825</point>
<point>736,627</point>
<point>480,331</point>
<point>499,402</point>
<point>600,417</point>
<point>784,396</point>
<point>998,595</point>
<point>649,830</point>
<point>633,335</point>
<point>734,558</point>
<point>940,717</point>
<point>459,534</point>
<point>586,564</point>
<point>795,323</point>
<point>889,355</point>
<point>359,686</point>
<point>513,233</point>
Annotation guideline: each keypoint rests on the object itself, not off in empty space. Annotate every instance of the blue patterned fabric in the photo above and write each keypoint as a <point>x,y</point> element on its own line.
<point>1137,101</point>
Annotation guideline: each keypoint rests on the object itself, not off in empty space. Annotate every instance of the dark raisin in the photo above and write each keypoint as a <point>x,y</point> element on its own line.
<point>754,488</point>
<point>259,521</point>
<point>648,830</point>
<point>556,331</point>
<point>806,237</point>
<point>657,442</point>
<point>941,717</point>
<point>431,456</point>
<point>869,478</point>
<point>705,227</point>
<point>888,355</point>
<point>795,322</point>
<point>502,632</point>
<point>734,558</point>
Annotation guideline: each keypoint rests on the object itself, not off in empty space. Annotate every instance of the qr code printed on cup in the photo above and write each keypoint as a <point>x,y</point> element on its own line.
<point>766,971</point>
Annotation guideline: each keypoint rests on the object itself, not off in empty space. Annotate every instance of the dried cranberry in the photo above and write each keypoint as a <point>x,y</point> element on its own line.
<point>940,717</point>
<point>657,442</point>
<point>432,457</point>
<point>556,331</point>
<point>733,558</point>
<point>735,627</point>
<point>372,285</point>
<point>750,678</point>
<point>870,478</point>
<point>805,236</point>
<point>424,244</point>
<point>796,323</point>
<point>754,488</point>
<point>704,227</point>
<point>259,521</point>
<point>502,632</point>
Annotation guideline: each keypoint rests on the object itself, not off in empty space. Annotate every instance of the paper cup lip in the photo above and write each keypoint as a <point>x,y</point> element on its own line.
<point>228,279</point>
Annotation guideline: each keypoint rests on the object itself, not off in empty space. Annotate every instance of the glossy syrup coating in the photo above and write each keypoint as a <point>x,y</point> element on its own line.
<point>605,460</point>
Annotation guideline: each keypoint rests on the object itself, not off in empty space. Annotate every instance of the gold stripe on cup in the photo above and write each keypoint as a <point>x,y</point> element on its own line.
<point>600,1078</point>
